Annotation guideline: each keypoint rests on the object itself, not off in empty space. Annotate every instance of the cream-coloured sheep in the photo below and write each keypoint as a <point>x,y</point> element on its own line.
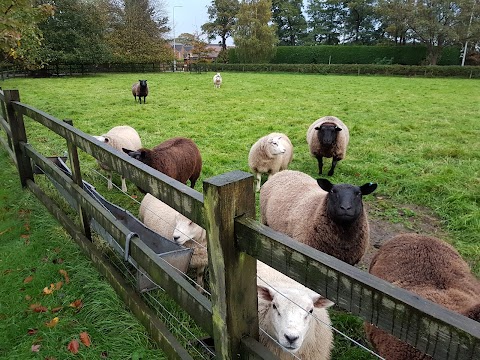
<point>293,315</point>
<point>431,268</point>
<point>328,137</point>
<point>217,80</point>
<point>269,155</point>
<point>330,218</point>
<point>173,226</point>
<point>119,137</point>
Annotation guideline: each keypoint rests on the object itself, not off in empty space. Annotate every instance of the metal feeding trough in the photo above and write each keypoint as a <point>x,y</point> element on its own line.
<point>176,255</point>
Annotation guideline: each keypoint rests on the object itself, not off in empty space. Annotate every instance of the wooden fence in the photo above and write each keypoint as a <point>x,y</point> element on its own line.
<point>235,240</point>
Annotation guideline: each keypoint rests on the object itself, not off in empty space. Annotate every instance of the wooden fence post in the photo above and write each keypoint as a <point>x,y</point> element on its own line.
<point>77,177</point>
<point>232,273</point>
<point>17,126</point>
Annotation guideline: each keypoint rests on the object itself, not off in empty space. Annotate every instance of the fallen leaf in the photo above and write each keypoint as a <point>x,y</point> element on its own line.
<point>8,271</point>
<point>48,291</point>
<point>77,304</point>
<point>28,297</point>
<point>57,250</point>
<point>52,323</point>
<point>26,226</point>
<point>36,348</point>
<point>58,285</point>
<point>58,261</point>
<point>45,259</point>
<point>65,275</point>
<point>85,338</point>
<point>32,331</point>
<point>25,236</point>
<point>57,309</point>
<point>28,279</point>
<point>73,346</point>
<point>38,308</point>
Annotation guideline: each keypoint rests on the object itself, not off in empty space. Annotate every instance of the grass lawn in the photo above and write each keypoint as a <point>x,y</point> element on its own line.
<point>418,138</point>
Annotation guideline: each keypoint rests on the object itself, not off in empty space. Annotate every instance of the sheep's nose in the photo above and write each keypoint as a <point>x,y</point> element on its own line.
<point>345,207</point>
<point>291,338</point>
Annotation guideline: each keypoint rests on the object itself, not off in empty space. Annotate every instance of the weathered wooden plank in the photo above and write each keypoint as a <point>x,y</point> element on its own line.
<point>251,349</point>
<point>179,196</point>
<point>19,135</point>
<point>196,305</point>
<point>158,330</point>
<point>232,274</point>
<point>424,324</point>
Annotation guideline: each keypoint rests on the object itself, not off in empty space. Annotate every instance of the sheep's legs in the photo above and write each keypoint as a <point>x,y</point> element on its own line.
<point>200,272</point>
<point>258,181</point>
<point>124,185</point>
<point>110,185</point>
<point>334,163</point>
<point>320,164</point>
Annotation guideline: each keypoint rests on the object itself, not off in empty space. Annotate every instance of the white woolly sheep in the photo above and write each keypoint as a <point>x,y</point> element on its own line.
<point>430,268</point>
<point>330,218</point>
<point>119,137</point>
<point>285,309</point>
<point>217,80</point>
<point>178,158</point>
<point>328,137</point>
<point>140,89</point>
<point>269,155</point>
<point>173,226</point>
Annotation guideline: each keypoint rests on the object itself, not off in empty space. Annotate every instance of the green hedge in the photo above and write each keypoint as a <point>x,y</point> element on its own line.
<point>354,69</point>
<point>354,54</point>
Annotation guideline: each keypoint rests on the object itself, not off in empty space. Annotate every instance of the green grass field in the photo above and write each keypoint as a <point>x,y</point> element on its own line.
<point>418,138</point>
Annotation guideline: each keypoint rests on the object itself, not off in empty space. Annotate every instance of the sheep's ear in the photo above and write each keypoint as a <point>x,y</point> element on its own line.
<point>337,128</point>
<point>317,128</point>
<point>368,188</point>
<point>321,302</point>
<point>325,184</point>
<point>264,293</point>
<point>127,151</point>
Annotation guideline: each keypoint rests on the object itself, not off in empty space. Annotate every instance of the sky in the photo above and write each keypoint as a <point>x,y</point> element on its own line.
<point>190,17</point>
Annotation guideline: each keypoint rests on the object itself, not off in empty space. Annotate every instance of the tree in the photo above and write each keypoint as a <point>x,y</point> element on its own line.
<point>139,33</point>
<point>222,15</point>
<point>74,34</point>
<point>199,46</point>
<point>325,21</point>
<point>254,38</point>
<point>359,21</point>
<point>393,15</point>
<point>291,24</point>
<point>20,36</point>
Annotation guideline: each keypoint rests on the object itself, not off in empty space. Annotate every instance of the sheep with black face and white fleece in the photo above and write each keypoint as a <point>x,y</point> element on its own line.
<point>328,137</point>
<point>175,227</point>
<point>217,80</point>
<point>430,268</point>
<point>330,218</point>
<point>140,89</point>
<point>178,158</point>
<point>293,315</point>
<point>119,137</point>
<point>269,155</point>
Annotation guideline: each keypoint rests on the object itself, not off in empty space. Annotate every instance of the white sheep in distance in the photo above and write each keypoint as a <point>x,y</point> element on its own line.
<point>217,80</point>
<point>330,218</point>
<point>175,227</point>
<point>285,309</point>
<point>328,137</point>
<point>119,137</point>
<point>430,268</point>
<point>268,155</point>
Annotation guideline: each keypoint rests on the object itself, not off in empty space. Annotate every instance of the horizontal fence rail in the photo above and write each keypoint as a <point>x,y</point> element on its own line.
<point>226,209</point>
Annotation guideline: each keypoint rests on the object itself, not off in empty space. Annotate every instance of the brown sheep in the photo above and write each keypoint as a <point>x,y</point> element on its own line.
<point>428,267</point>
<point>140,89</point>
<point>178,158</point>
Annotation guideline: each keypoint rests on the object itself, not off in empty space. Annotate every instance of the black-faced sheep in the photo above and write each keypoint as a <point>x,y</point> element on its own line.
<point>431,268</point>
<point>140,89</point>
<point>330,218</point>
<point>269,155</point>
<point>178,158</point>
<point>328,137</point>
<point>217,80</point>
<point>173,226</point>
<point>119,137</point>
<point>293,315</point>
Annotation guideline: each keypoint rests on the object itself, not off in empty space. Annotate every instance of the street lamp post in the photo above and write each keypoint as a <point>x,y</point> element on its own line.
<point>174,49</point>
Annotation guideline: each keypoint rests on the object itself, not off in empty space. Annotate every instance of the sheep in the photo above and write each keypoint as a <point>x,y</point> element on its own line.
<point>284,308</point>
<point>430,268</point>
<point>217,80</point>
<point>175,227</point>
<point>178,158</point>
<point>269,155</point>
<point>327,217</point>
<point>328,137</point>
<point>140,89</point>
<point>119,137</point>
